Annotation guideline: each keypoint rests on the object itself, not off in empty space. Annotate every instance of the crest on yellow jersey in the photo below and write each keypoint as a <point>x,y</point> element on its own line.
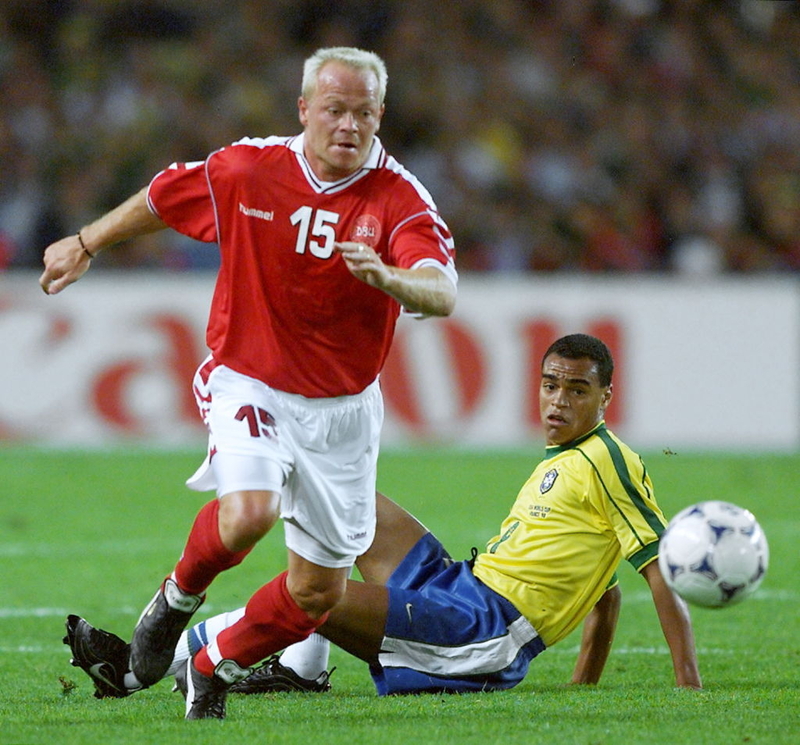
<point>548,480</point>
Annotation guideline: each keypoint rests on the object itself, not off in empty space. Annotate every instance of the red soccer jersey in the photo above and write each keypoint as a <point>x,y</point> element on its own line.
<point>286,310</point>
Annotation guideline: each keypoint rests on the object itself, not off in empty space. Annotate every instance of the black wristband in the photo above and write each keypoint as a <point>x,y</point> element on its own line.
<point>83,246</point>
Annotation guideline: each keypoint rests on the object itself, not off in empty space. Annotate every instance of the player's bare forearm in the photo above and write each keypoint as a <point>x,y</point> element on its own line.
<point>676,625</point>
<point>424,290</point>
<point>598,635</point>
<point>131,218</point>
<point>66,260</point>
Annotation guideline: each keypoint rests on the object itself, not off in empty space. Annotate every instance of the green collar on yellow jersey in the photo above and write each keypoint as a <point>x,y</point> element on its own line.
<point>551,450</point>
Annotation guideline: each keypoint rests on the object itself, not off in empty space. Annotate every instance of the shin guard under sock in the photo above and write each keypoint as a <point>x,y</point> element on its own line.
<point>272,621</point>
<point>205,555</point>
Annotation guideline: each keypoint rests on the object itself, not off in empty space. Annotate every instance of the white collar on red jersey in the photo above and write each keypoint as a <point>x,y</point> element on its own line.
<point>375,159</point>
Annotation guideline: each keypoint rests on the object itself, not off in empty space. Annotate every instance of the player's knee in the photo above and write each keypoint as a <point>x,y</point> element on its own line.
<point>245,518</point>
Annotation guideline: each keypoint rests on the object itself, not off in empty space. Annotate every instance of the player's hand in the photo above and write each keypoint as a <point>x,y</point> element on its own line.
<point>65,262</point>
<point>363,263</point>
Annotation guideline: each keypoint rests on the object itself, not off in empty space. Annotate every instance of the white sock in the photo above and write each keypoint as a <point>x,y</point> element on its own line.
<point>308,658</point>
<point>198,636</point>
<point>131,682</point>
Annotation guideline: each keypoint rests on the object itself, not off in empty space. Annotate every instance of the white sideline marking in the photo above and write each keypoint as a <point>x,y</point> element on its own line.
<point>762,593</point>
<point>702,651</point>
<point>31,612</point>
<point>16,550</point>
<point>24,649</point>
<point>207,610</point>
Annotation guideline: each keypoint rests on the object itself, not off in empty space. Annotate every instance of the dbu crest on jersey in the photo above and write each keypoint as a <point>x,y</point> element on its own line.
<point>548,480</point>
<point>366,229</point>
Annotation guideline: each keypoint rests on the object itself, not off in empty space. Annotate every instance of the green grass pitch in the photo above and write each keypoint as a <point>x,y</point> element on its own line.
<point>93,533</point>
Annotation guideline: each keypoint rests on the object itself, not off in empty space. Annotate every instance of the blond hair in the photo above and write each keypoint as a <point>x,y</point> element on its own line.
<point>357,58</point>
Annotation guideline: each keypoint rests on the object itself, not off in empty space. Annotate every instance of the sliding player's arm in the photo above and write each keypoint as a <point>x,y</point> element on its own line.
<point>597,637</point>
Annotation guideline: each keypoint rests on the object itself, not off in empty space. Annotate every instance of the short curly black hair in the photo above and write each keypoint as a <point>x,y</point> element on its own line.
<point>579,346</point>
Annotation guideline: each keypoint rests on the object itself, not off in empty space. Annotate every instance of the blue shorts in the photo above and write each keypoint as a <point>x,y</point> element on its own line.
<point>448,632</point>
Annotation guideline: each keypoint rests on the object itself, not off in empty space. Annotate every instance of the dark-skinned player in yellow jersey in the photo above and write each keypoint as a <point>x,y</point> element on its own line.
<point>424,622</point>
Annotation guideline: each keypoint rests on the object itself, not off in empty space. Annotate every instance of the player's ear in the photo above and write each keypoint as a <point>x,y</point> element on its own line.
<point>302,109</point>
<point>607,396</point>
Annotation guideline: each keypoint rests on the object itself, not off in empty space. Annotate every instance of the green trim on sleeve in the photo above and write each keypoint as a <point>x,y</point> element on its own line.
<point>644,556</point>
<point>621,467</point>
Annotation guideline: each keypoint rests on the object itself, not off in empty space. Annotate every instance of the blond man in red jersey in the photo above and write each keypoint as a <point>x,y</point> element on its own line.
<point>323,238</point>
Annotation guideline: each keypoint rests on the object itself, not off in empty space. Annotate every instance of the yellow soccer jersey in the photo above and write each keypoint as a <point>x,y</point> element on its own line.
<point>586,506</point>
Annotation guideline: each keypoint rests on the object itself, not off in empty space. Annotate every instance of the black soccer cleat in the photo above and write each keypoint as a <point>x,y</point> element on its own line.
<point>103,656</point>
<point>157,633</point>
<point>205,697</point>
<point>272,677</point>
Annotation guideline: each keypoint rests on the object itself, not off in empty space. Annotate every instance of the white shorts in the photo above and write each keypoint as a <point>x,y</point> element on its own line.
<point>320,455</point>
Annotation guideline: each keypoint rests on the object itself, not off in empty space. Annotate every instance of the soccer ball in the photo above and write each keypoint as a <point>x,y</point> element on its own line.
<point>713,554</point>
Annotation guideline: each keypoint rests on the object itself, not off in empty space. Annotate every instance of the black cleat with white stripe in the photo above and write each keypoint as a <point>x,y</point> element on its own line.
<point>103,656</point>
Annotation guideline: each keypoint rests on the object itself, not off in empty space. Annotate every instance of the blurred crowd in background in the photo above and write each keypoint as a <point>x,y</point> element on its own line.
<point>554,135</point>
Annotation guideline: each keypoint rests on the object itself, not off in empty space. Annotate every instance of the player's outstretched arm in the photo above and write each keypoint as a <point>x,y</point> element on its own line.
<point>67,260</point>
<point>423,290</point>
<point>598,635</point>
<point>677,627</point>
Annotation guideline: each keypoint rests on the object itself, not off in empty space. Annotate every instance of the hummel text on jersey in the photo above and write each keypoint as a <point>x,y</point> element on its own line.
<point>260,214</point>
